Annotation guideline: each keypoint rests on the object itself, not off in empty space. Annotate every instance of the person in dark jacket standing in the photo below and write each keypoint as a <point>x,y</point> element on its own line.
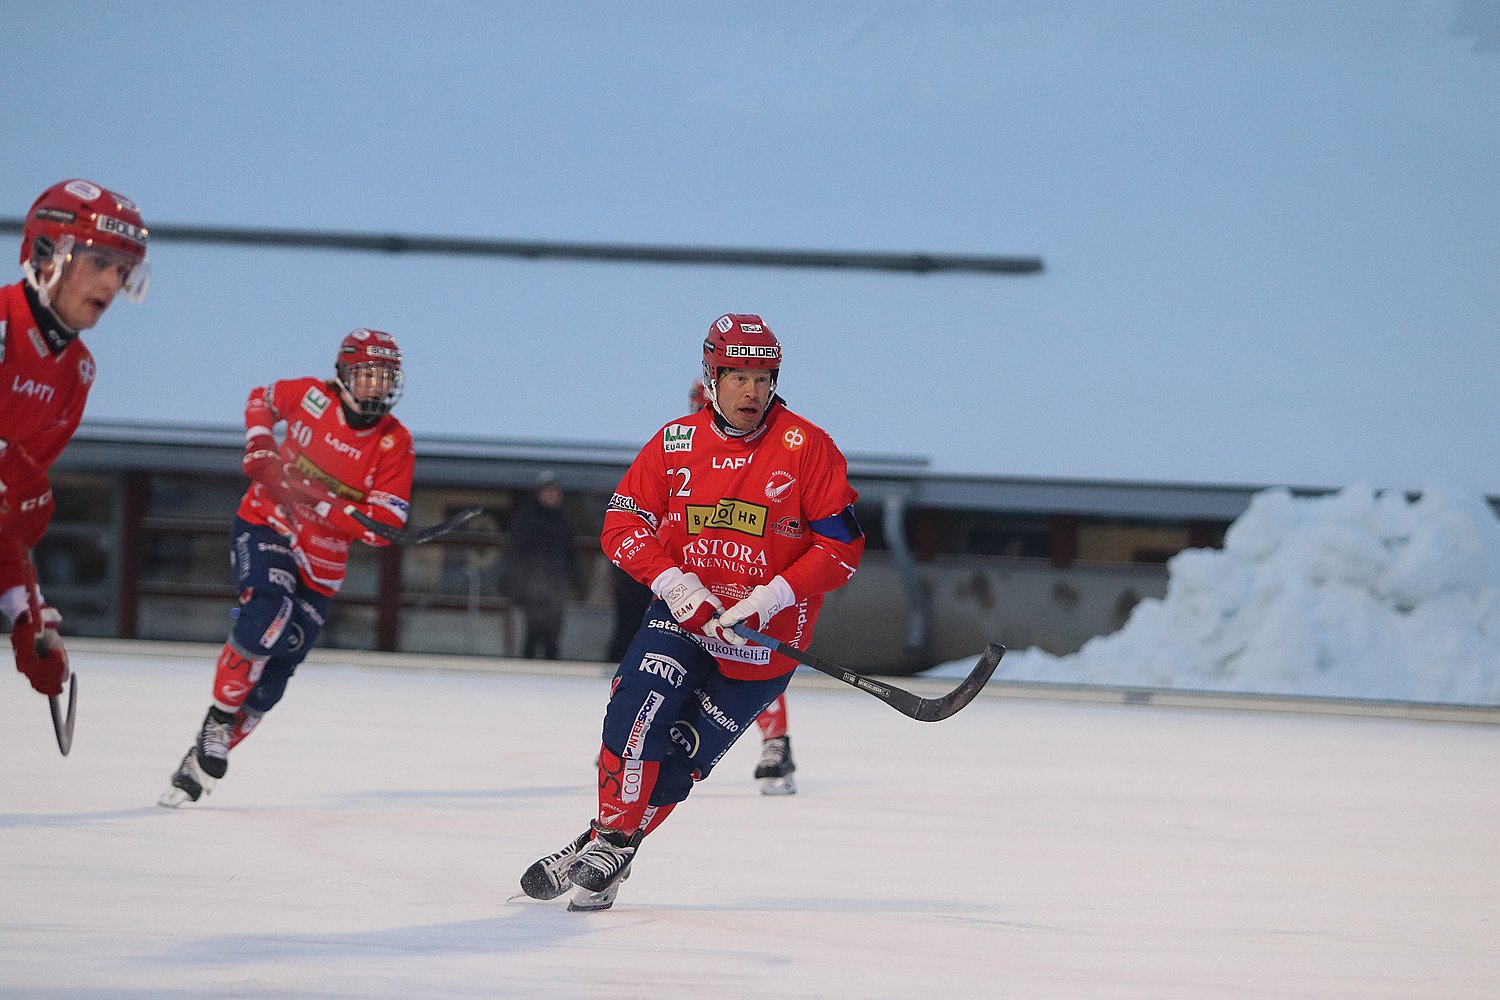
<point>543,568</point>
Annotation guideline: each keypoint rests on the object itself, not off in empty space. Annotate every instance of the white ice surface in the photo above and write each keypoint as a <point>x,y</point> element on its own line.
<point>368,836</point>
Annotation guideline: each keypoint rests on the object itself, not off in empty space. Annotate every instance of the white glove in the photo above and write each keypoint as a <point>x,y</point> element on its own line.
<point>688,600</point>
<point>756,610</point>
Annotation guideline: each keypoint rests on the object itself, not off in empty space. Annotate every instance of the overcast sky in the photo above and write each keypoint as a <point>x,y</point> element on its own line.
<point>1271,230</point>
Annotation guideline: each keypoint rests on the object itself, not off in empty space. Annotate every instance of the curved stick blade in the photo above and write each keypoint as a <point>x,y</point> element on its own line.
<point>63,726</point>
<point>938,709</point>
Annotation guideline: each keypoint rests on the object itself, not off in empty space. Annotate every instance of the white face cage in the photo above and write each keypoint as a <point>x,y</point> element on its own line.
<point>371,388</point>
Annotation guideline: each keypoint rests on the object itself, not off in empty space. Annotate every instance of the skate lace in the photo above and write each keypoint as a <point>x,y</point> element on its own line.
<point>214,741</point>
<point>773,752</point>
<point>563,859</point>
<point>605,858</point>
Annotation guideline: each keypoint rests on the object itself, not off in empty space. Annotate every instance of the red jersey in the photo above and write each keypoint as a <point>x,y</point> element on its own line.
<point>738,511</point>
<point>43,395</point>
<point>370,469</point>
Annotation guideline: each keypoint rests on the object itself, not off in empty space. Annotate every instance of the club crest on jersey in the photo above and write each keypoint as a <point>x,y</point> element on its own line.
<point>788,527</point>
<point>777,486</point>
<point>315,402</point>
<point>677,437</point>
<point>730,514</point>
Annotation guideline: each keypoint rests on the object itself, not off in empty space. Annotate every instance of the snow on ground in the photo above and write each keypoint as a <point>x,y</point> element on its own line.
<point>1356,594</point>
<point>369,834</point>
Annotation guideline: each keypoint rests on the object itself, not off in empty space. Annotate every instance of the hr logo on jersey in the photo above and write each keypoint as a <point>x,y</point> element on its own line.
<point>315,402</point>
<point>730,514</point>
<point>777,486</point>
<point>677,437</point>
<point>664,667</point>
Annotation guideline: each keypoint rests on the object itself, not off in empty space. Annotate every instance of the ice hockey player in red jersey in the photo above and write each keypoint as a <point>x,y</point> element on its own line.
<point>774,770</point>
<point>741,512</point>
<point>81,245</point>
<point>342,451</point>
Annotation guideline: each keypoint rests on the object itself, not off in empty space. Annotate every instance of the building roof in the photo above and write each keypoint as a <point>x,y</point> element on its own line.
<point>484,462</point>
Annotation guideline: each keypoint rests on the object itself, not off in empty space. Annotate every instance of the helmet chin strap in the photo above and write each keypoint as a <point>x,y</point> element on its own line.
<point>42,286</point>
<point>711,390</point>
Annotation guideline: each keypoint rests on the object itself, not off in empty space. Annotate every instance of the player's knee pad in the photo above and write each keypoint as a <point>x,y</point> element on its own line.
<point>272,686</point>
<point>262,619</point>
<point>679,770</point>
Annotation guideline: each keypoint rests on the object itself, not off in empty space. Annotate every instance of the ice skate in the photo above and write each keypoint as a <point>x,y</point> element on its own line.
<point>774,772</point>
<point>548,877</point>
<point>213,742</point>
<point>189,782</point>
<point>584,901</point>
<point>601,866</point>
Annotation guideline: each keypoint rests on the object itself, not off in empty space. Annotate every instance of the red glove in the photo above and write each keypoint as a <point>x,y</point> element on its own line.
<point>25,497</point>
<point>281,479</point>
<point>262,465</point>
<point>47,670</point>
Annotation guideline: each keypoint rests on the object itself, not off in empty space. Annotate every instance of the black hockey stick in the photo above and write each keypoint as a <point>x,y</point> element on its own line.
<point>415,536</point>
<point>908,704</point>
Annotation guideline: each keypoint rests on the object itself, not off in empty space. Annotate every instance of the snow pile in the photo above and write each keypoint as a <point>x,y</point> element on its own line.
<point>1356,594</point>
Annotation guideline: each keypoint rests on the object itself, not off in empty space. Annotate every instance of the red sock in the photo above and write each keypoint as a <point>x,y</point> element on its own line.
<point>244,724</point>
<point>772,721</point>
<point>234,676</point>
<point>655,816</point>
<point>624,790</point>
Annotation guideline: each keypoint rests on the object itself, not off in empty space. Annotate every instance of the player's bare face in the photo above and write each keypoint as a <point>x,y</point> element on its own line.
<point>91,279</point>
<point>744,394</point>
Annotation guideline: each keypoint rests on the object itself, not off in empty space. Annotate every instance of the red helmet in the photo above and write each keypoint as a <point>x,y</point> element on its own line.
<point>369,372</point>
<point>740,340</point>
<point>78,213</point>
